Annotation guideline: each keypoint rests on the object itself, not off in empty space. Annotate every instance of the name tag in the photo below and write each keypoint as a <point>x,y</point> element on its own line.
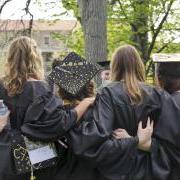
<point>42,154</point>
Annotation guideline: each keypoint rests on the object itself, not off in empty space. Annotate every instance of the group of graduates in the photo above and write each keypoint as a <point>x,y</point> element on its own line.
<point>128,130</point>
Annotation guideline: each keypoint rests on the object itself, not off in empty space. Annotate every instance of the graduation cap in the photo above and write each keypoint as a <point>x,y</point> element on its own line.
<point>166,57</point>
<point>104,64</point>
<point>167,64</point>
<point>73,73</point>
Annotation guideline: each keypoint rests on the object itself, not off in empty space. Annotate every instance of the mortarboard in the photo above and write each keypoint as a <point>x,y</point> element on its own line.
<point>73,73</point>
<point>166,57</point>
<point>167,64</point>
<point>104,64</point>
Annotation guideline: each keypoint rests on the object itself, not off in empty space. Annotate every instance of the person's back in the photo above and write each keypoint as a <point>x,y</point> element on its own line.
<point>125,102</point>
<point>125,114</point>
<point>168,76</point>
<point>35,111</point>
<point>18,106</point>
<point>75,167</point>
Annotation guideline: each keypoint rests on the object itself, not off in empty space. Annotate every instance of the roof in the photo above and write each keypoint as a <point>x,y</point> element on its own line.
<point>165,57</point>
<point>38,25</point>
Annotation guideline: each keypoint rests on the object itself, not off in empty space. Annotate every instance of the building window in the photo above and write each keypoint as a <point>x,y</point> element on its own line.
<point>46,40</point>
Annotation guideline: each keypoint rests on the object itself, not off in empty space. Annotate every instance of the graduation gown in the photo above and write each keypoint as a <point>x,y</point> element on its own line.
<point>18,106</point>
<point>163,161</point>
<point>113,158</point>
<point>89,146</point>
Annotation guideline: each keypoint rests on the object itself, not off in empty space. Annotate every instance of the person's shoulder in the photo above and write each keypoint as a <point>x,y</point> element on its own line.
<point>152,89</point>
<point>115,92</point>
<point>37,87</point>
<point>111,86</point>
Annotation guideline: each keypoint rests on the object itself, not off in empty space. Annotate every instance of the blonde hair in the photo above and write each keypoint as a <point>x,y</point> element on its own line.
<point>127,65</point>
<point>23,62</point>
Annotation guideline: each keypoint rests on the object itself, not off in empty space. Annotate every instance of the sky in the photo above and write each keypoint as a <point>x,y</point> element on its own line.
<point>13,10</point>
<point>45,10</point>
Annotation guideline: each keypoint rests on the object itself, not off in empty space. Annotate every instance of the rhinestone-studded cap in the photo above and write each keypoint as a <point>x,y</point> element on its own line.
<point>73,73</point>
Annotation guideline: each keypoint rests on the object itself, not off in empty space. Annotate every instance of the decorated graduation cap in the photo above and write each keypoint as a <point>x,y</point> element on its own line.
<point>73,73</point>
<point>104,64</point>
<point>167,64</point>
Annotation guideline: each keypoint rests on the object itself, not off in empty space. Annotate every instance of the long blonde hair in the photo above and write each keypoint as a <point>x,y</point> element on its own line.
<point>127,65</point>
<point>23,62</point>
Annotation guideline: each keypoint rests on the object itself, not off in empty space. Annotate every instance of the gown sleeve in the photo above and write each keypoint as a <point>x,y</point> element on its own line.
<point>92,140</point>
<point>152,165</point>
<point>46,119</point>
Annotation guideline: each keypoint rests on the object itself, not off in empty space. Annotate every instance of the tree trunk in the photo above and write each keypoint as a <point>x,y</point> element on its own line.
<point>93,19</point>
<point>140,27</point>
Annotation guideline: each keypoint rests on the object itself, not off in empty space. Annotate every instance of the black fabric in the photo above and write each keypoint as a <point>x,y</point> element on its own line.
<point>113,110</point>
<point>91,149</point>
<point>112,159</point>
<point>162,163</point>
<point>20,105</point>
<point>46,119</point>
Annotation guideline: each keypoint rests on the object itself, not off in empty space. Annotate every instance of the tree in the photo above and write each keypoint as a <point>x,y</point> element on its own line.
<point>93,19</point>
<point>152,26</point>
<point>153,23</point>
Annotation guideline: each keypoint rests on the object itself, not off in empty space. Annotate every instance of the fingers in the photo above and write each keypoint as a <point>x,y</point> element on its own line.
<point>140,125</point>
<point>119,130</point>
<point>7,114</point>
<point>152,126</point>
<point>148,123</point>
<point>120,133</point>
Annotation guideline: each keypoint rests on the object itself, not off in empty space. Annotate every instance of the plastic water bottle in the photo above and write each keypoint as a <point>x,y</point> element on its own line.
<point>3,108</point>
<point>3,111</point>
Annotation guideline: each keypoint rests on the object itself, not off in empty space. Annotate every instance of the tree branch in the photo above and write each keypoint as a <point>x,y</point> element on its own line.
<point>167,44</point>
<point>159,28</point>
<point>2,6</point>
<point>27,11</point>
<point>125,15</point>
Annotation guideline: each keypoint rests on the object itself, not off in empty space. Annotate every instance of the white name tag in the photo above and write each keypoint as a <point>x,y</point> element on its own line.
<point>41,154</point>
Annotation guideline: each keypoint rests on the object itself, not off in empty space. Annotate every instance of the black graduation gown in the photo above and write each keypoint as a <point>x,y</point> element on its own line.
<point>89,146</point>
<point>112,158</point>
<point>167,134</point>
<point>18,105</point>
<point>163,161</point>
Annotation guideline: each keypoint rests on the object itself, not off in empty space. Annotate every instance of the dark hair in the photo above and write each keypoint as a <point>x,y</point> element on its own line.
<point>87,91</point>
<point>55,62</point>
<point>168,75</point>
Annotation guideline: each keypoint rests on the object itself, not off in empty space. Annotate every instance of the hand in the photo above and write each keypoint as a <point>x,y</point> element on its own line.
<point>4,120</point>
<point>144,135</point>
<point>120,134</point>
<point>88,101</point>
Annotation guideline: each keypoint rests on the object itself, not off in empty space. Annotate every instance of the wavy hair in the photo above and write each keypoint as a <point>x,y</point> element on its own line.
<point>127,65</point>
<point>23,62</point>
